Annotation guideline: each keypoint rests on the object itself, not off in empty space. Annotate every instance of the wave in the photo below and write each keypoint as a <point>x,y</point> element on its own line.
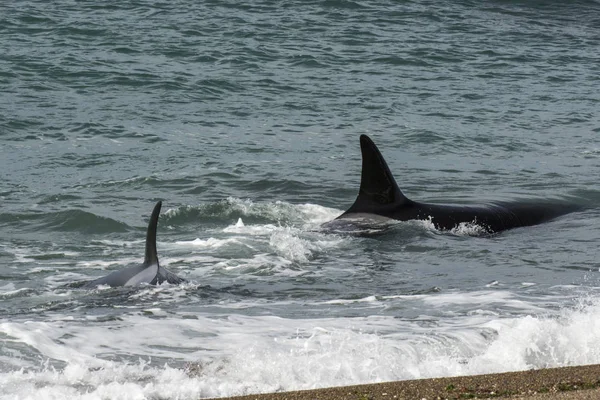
<point>63,221</point>
<point>206,356</point>
<point>232,209</point>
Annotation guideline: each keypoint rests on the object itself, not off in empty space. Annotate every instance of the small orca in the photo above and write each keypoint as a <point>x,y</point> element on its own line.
<point>149,271</point>
<point>380,199</point>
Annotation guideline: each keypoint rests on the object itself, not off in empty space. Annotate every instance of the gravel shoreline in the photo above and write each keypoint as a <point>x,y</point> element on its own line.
<point>568,383</point>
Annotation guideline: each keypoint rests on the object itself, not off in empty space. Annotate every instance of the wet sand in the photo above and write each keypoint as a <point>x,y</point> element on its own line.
<point>568,383</point>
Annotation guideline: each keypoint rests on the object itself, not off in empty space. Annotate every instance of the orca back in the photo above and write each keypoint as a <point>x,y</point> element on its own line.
<point>149,271</point>
<point>379,196</point>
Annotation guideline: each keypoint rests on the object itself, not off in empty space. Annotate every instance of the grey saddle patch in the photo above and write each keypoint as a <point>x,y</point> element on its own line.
<point>149,272</point>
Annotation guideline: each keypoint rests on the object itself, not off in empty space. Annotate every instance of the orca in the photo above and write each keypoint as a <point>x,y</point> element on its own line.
<point>149,272</point>
<point>380,199</point>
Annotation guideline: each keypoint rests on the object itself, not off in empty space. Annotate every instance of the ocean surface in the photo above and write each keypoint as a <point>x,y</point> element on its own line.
<point>244,118</point>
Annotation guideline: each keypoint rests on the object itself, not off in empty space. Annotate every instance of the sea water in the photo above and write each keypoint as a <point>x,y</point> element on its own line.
<point>243,118</point>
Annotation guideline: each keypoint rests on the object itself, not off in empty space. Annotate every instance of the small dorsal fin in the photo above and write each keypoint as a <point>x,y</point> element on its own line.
<point>151,257</point>
<point>378,188</point>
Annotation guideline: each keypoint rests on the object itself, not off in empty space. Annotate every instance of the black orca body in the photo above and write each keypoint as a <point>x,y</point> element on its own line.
<point>149,271</point>
<point>380,198</point>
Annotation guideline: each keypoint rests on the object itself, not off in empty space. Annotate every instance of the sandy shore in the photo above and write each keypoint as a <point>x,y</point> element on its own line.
<point>569,383</point>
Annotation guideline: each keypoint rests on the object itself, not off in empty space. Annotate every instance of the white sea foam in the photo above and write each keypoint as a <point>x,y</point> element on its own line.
<point>469,229</point>
<point>103,264</point>
<point>593,152</point>
<point>234,354</point>
<point>426,223</point>
<point>9,287</point>
<point>9,290</point>
<point>482,299</point>
<point>121,243</point>
<point>241,228</point>
<point>32,255</point>
<point>291,243</point>
<point>262,264</point>
<point>315,214</point>
<point>212,243</point>
<point>308,214</point>
<point>290,246</point>
<point>368,299</point>
<point>462,229</point>
<point>288,243</point>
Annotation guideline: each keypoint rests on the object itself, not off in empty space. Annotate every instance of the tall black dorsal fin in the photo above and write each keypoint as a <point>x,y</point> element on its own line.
<point>151,257</point>
<point>378,188</point>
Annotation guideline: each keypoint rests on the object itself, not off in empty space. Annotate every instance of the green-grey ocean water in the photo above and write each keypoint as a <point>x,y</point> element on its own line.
<point>244,118</point>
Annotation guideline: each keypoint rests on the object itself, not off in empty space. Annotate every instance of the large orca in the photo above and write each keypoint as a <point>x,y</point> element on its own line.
<point>380,198</point>
<point>149,271</point>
